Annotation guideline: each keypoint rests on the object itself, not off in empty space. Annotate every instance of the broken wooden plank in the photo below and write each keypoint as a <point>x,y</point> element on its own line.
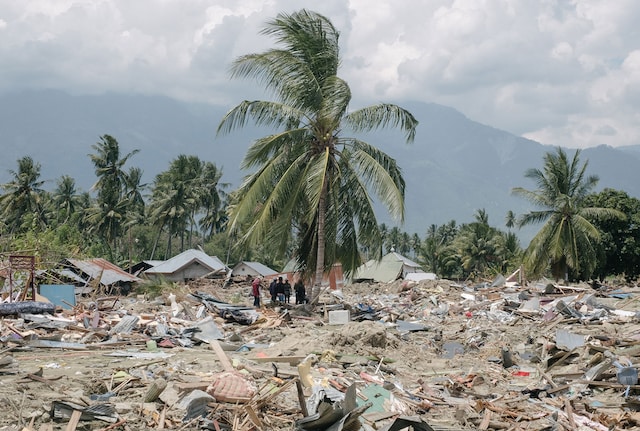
<point>73,422</point>
<point>301,399</point>
<point>486,420</point>
<point>253,416</point>
<point>291,360</point>
<point>222,356</point>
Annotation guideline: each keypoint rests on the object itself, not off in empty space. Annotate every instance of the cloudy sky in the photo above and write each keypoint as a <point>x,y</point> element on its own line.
<point>560,72</point>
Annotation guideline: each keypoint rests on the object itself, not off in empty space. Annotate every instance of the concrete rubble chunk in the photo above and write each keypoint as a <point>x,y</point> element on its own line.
<point>569,340</point>
<point>194,404</point>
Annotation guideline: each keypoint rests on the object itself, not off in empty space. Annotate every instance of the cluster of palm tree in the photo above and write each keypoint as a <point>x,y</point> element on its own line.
<point>187,199</point>
<point>115,221</point>
<point>470,250</point>
<point>402,242</point>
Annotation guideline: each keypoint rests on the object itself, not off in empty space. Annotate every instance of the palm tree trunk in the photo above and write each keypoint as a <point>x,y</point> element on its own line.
<point>155,243</point>
<point>322,213</point>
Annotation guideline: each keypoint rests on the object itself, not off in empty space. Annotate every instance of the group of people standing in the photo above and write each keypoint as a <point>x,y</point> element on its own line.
<point>280,291</point>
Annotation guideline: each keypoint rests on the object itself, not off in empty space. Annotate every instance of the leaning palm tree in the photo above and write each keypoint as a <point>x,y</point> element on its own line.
<point>567,238</point>
<point>308,174</point>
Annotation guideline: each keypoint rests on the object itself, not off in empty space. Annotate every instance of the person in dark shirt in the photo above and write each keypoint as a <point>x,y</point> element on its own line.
<point>301,294</point>
<point>272,290</point>
<point>287,291</point>
<point>280,290</point>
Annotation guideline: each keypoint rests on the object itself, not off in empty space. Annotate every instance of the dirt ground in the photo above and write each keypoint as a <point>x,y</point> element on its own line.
<point>457,357</point>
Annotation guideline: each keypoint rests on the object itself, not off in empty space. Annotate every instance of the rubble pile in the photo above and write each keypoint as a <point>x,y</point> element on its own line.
<point>429,355</point>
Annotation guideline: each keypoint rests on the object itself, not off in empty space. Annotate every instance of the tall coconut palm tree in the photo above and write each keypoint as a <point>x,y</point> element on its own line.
<point>109,167</point>
<point>66,199</point>
<point>567,238</point>
<point>416,243</point>
<point>134,189</point>
<point>212,199</point>
<point>309,174</point>
<point>174,197</point>
<point>510,219</point>
<point>437,251</point>
<point>23,195</point>
<point>108,216</point>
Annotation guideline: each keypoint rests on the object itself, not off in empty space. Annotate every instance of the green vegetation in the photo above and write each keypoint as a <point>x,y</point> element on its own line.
<point>618,252</point>
<point>567,240</point>
<point>188,202</point>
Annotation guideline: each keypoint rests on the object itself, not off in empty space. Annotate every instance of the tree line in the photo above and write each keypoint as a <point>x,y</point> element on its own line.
<point>187,205</point>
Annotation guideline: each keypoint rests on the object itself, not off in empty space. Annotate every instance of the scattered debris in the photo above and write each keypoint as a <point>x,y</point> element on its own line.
<point>426,355</point>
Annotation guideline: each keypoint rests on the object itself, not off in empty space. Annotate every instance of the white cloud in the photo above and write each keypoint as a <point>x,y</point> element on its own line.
<point>561,72</point>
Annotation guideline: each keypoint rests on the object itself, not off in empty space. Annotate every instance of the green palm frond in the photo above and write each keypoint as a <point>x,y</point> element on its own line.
<point>263,149</point>
<point>283,74</point>
<point>336,96</point>
<point>261,112</point>
<point>310,37</point>
<point>381,116</point>
<point>380,173</point>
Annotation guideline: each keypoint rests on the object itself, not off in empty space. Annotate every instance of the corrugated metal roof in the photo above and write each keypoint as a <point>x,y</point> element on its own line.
<point>184,259</point>
<point>108,272</point>
<point>394,256</point>
<point>70,275</point>
<point>258,267</point>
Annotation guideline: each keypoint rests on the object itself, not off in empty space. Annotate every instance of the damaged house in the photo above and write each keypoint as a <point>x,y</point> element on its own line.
<point>252,269</point>
<point>390,267</point>
<point>90,274</point>
<point>188,265</point>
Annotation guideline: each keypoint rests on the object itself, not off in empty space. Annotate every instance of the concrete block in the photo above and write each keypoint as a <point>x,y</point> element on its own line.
<point>338,317</point>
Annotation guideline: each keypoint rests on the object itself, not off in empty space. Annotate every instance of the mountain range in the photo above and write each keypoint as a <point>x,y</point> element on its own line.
<point>454,167</point>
